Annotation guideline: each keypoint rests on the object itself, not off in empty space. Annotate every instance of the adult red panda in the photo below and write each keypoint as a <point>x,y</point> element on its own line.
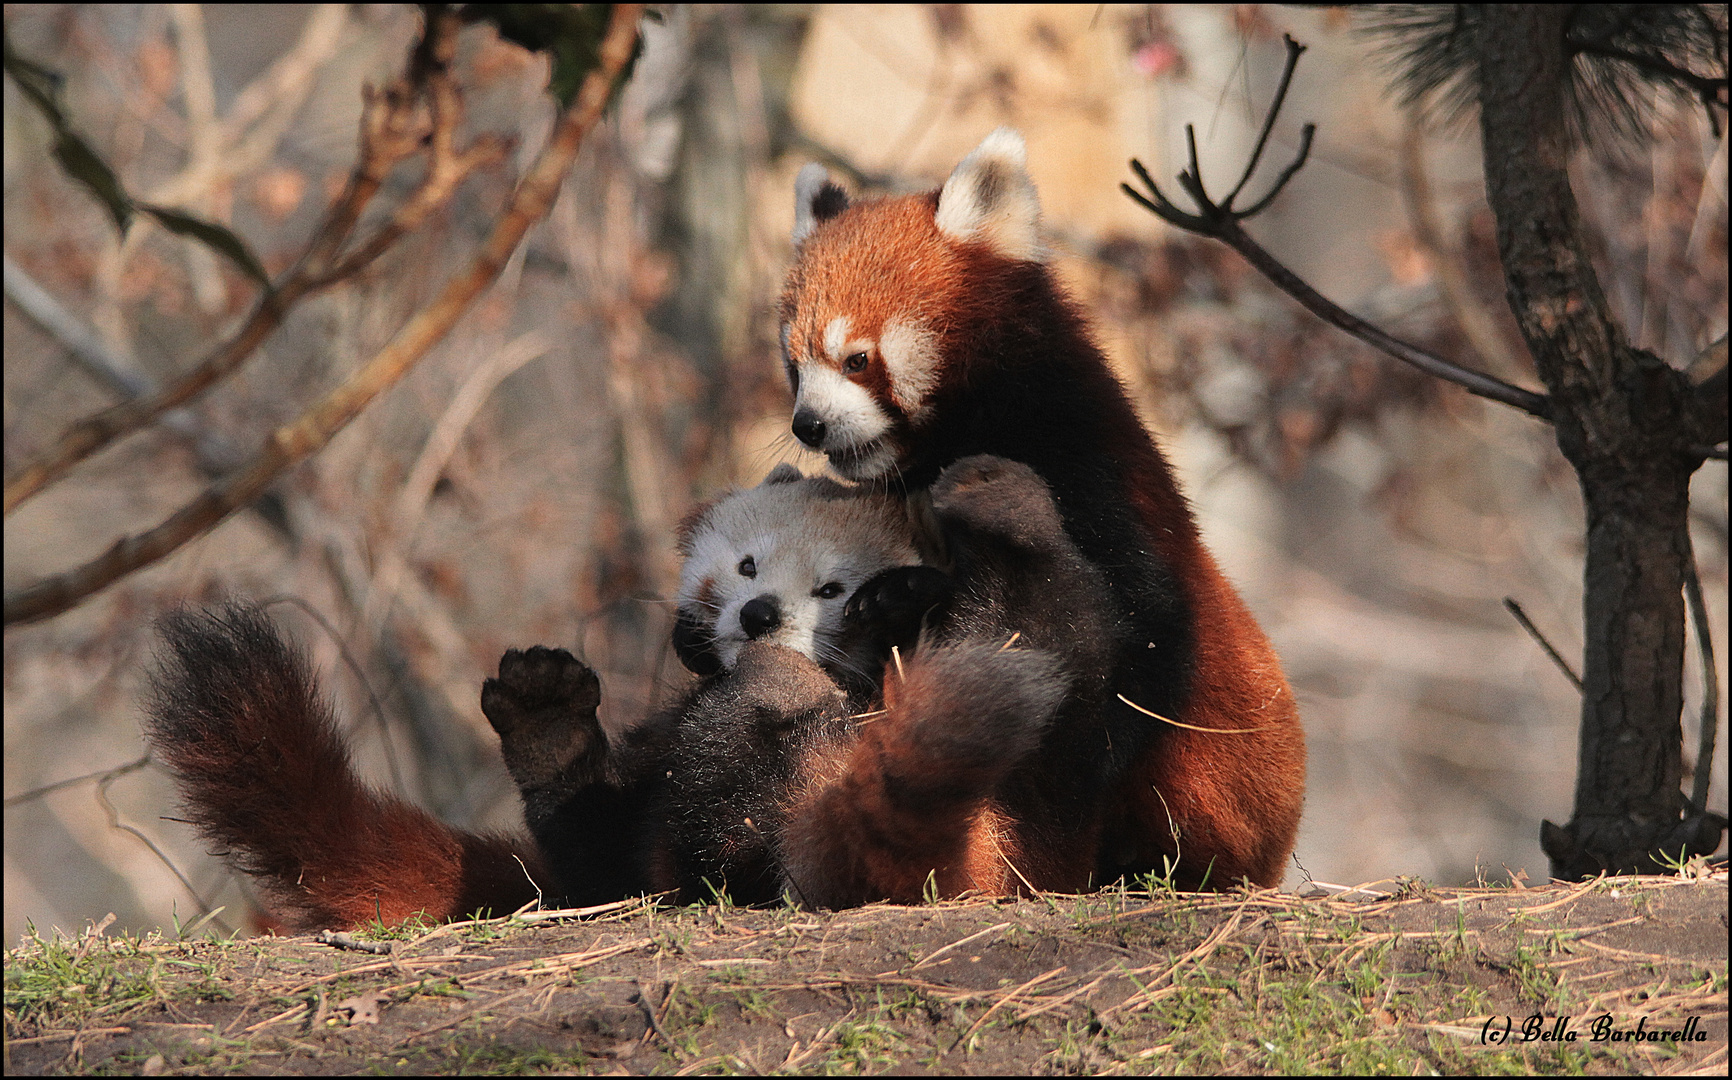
<point>922,329</point>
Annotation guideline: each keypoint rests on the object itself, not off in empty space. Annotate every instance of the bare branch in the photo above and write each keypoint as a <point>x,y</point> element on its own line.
<point>393,129</point>
<point>214,453</point>
<point>293,443</point>
<point>1534,632</point>
<point>102,774</point>
<point>203,144</point>
<point>263,110</point>
<point>1305,136</point>
<point>83,344</point>
<point>1475,382</point>
<point>114,822</point>
<point>391,568</point>
<point>1220,221</point>
<point>1293,51</point>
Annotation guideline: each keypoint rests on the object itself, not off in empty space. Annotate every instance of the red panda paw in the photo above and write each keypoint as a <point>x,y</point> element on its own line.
<point>960,717</point>
<point>893,603</point>
<point>1000,498</point>
<point>543,707</point>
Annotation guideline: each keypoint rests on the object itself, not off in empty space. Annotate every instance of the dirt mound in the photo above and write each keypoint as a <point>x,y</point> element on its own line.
<point>1615,975</point>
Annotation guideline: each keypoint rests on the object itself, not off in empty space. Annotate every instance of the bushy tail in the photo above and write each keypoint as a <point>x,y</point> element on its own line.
<point>236,717</point>
<point>908,806</point>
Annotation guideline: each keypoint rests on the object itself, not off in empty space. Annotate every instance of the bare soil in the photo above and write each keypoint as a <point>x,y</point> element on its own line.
<point>1421,979</point>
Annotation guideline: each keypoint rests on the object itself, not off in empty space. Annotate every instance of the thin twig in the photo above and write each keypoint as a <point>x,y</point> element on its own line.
<point>1293,51</point>
<point>1534,632</point>
<point>1005,999</point>
<point>655,1025</point>
<point>1710,712</point>
<point>105,774</point>
<point>339,940</point>
<point>114,822</point>
<point>1195,727</point>
<point>293,443</point>
<point>411,502</point>
<point>354,667</point>
<point>936,953</point>
<point>1221,221</point>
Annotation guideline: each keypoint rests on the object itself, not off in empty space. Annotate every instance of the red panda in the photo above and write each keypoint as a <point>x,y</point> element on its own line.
<point>236,716</point>
<point>922,329</point>
<point>688,800</point>
<point>772,778</point>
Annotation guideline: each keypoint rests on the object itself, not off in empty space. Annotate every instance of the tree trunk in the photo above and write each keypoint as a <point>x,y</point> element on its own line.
<point>1632,428</point>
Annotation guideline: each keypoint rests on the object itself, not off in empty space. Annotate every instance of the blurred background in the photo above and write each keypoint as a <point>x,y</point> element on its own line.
<point>522,484</point>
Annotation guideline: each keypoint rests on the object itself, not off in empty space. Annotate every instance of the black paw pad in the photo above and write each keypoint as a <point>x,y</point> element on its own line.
<point>895,600</point>
<point>539,686</point>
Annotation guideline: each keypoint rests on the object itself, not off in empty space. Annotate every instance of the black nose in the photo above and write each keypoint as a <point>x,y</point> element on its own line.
<point>760,616</point>
<point>809,429</point>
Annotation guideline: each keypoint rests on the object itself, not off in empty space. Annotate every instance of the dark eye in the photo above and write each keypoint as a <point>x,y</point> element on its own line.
<point>855,364</point>
<point>748,568</point>
<point>828,592</point>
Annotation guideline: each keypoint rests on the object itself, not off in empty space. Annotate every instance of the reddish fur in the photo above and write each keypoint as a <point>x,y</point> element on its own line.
<point>910,798</point>
<point>1233,798</point>
<point>265,775</point>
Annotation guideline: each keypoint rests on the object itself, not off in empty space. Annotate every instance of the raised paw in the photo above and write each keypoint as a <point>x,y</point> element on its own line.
<point>998,497</point>
<point>894,602</point>
<point>543,707</point>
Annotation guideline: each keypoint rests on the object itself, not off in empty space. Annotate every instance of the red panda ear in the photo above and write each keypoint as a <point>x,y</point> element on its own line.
<point>691,525</point>
<point>990,200</point>
<point>817,199</point>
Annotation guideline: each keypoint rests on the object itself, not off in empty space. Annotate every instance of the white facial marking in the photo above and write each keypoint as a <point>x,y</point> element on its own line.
<point>851,417</point>
<point>801,537</point>
<point>910,353</point>
<point>836,337</point>
<point>868,466</point>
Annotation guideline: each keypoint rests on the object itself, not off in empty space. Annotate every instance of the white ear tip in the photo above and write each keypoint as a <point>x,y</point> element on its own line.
<point>1004,142</point>
<point>811,179</point>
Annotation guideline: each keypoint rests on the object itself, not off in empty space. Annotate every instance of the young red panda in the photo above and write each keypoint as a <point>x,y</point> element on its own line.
<point>772,778</point>
<point>919,330</point>
<point>236,716</point>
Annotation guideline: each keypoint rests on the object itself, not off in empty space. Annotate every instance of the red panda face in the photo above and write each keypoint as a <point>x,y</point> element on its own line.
<point>778,562</point>
<point>875,287</point>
